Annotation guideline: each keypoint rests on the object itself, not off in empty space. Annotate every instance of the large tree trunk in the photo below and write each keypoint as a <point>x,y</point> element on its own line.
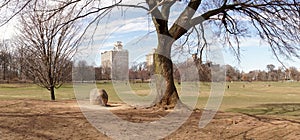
<point>167,95</point>
<point>52,93</point>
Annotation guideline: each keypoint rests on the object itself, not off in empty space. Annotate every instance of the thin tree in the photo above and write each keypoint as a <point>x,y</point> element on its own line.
<point>47,47</point>
<point>4,60</point>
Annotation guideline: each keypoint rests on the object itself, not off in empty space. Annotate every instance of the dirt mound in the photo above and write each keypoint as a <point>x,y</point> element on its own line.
<point>34,119</point>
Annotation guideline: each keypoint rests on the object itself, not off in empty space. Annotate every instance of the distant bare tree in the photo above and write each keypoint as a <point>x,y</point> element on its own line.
<point>139,71</point>
<point>272,74</point>
<point>81,69</point>
<point>262,76</point>
<point>47,49</point>
<point>98,73</point>
<point>270,67</point>
<point>83,72</point>
<point>294,73</point>
<point>5,58</point>
<point>231,73</point>
<point>8,69</point>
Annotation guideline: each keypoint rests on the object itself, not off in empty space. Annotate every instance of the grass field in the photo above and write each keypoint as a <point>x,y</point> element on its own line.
<point>258,98</point>
<point>31,91</point>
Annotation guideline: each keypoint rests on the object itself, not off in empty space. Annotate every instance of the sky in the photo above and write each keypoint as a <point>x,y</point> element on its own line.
<point>132,27</point>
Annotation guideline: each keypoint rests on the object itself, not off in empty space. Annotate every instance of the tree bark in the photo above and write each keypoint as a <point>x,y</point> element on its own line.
<point>167,95</point>
<point>52,93</point>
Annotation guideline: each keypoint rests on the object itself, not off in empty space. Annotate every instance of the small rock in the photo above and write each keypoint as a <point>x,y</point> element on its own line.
<point>98,97</point>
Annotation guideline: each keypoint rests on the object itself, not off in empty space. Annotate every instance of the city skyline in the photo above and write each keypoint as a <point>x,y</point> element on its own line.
<point>250,58</point>
<point>239,65</point>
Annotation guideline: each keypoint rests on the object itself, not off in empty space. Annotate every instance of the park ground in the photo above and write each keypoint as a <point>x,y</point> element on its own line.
<point>256,110</point>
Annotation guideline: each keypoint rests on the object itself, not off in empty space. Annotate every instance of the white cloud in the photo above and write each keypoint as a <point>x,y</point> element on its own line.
<point>252,41</point>
<point>7,31</point>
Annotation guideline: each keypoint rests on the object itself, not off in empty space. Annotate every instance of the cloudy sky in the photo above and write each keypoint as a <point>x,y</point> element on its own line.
<point>134,27</point>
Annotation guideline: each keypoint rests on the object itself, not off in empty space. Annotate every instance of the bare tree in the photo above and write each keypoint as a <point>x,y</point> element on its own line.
<point>294,73</point>
<point>48,49</point>
<point>270,67</point>
<point>272,74</point>
<point>98,73</point>
<point>139,71</point>
<point>12,8</point>
<point>275,21</point>
<point>5,58</point>
<point>83,72</point>
<point>7,61</point>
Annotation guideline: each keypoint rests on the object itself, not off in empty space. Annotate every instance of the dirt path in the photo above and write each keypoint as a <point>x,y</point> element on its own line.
<point>33,119</point>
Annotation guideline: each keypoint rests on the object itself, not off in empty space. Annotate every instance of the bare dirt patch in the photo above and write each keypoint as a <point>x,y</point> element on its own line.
<point>35,119</point>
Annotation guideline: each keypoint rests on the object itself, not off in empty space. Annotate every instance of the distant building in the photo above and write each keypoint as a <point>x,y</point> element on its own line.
<point>115,62</point>
<point>149,58</point>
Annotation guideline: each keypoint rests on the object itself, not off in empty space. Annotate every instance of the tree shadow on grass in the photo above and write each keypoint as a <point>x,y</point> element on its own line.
<point>113,105</point>
<point>277,111</point>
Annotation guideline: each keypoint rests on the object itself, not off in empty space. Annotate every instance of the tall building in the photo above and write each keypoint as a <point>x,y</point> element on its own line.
<point>115,62</point>
<point>149,58</point>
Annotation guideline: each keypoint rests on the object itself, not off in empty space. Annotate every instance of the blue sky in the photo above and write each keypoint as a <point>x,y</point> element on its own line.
<point>132,26</point>
<point>257,58</point>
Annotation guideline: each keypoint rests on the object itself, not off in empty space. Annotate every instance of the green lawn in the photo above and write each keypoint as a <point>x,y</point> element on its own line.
<point>259,98</point>
<point>31,91</point>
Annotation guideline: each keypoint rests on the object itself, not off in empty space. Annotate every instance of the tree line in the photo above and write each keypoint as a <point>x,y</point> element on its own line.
<point>142,72</point>
<point>271,74</point>
<point>13,69</point>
